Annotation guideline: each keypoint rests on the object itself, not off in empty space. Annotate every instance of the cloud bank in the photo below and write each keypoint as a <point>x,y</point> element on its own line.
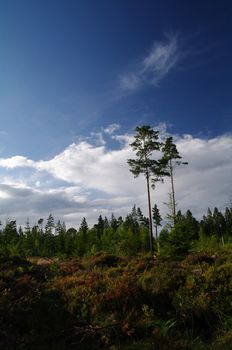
<point>88,180</point>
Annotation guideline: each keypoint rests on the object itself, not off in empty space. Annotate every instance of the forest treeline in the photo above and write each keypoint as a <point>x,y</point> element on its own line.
<point>115,235</point>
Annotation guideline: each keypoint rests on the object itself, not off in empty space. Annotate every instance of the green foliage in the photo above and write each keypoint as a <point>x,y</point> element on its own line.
<point>128,237</point>
<point>145,142</point>
<point>206,243</point>
<point>50,224</point>
<point>170,151</point>
<point>156,216</point>
<point>182,236</point>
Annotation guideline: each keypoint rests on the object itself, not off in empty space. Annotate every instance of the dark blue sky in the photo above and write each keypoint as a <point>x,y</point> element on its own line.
<point>76,78</point>
<point>65,65</point>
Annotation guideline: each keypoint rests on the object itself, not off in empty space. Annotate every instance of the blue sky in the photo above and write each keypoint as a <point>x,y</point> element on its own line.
<point>70,69</point>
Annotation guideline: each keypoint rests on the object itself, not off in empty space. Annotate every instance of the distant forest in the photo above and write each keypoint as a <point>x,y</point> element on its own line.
<point>125,237</point>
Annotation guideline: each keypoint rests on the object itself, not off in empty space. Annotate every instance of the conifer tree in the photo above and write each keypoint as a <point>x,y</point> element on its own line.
<point>50,224</point>
<point>171,158</point>
<point>156,219</point>
<point>114,223</point>
<point>144,144</point>
<point>10,232</point>
<point>106,223</point>
<point>59,228</point>
<point>132,221</point>
<point>99,227</point>
<point>84,226</point>
<point>140,216</point>
<point>143,221</point>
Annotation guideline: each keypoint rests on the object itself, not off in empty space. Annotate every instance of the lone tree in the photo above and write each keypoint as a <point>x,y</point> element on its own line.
<point>145,142</point>
<point>171,158</point>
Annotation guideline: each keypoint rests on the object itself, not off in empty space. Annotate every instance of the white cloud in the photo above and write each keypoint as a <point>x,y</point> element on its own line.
<point>4,194</point>
<point>92,167</point>
<point>97,180</point>
<point>16,161</point>
<point>162,57</point>
<point>97,138</point>
<point>110,129</point>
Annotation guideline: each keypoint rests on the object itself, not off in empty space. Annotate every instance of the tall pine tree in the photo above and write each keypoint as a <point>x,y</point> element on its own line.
<point>171,158</point>
<point>144,144</point>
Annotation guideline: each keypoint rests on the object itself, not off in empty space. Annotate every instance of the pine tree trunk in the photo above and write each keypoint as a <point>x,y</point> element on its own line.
<point>150,217</point>
<point>173,193</point>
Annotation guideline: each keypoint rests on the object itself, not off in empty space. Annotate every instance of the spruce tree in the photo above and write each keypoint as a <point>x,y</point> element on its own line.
<point>143,221</point>
<point>99,227</point>
<point>156,219</point>
<point>84,226</point>
<point>50,224</point>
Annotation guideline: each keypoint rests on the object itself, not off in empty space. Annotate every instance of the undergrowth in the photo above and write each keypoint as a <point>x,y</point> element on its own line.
<point>111,302</point>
